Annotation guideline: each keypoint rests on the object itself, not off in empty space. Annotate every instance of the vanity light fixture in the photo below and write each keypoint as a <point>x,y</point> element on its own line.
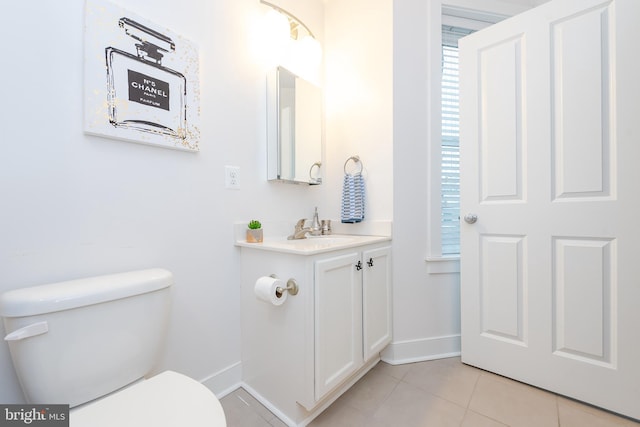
<point>294,23</point>
<point>302,43</point>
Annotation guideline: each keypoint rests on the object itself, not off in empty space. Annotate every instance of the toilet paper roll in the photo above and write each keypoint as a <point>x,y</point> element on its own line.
<point>266,290</point>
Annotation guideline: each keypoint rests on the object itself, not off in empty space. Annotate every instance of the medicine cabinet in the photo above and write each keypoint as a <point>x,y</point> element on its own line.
<point>294,128</point>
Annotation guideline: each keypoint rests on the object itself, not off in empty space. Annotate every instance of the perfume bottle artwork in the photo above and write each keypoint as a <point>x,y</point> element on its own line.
<point>142,94</point>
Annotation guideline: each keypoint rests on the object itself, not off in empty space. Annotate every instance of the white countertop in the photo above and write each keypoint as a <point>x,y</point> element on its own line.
<point>312,245</point>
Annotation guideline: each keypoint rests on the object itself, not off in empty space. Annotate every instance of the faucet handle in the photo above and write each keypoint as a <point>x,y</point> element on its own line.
<point>300,223</point>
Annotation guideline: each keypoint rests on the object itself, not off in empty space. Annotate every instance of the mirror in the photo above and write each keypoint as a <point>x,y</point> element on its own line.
<point>294,128</point>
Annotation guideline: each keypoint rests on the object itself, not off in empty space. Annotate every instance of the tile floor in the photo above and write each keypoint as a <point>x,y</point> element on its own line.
<point>438,393</point>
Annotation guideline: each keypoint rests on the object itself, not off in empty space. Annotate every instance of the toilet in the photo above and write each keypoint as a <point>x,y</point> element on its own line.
<point>92,344</point>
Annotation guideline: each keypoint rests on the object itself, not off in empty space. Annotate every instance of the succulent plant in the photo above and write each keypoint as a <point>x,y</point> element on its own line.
<point>254,225</point>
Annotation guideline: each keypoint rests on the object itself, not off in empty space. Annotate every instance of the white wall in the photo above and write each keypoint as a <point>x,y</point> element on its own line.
<point>358,105</point>
<point>426,306</point>
<point>74,205</point>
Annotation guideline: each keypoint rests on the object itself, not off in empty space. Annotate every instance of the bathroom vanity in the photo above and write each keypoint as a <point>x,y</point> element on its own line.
<point>300,356</point>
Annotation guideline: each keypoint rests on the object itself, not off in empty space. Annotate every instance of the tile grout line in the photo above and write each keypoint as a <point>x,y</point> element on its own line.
<point>466,409</point>
<point>369,416</point>
<point>481,373</point>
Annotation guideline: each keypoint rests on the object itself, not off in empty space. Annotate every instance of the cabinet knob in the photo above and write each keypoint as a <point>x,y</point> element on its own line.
<point>370,262</point>
<point>359,266</point>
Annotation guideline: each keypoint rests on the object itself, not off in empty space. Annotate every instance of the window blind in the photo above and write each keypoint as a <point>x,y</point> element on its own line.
<point>450,142</point>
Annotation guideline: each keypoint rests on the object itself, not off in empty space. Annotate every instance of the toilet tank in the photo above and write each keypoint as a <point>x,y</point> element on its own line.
<point>75,341</point>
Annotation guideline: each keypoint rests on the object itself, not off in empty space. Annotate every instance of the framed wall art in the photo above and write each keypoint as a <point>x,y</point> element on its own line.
<point>141,80</point>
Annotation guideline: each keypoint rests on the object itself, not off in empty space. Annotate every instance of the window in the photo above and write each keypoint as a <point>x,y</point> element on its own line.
<point>450,141</point>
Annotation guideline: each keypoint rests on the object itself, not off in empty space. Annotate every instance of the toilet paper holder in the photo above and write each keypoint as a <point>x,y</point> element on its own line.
<point>292,287</point>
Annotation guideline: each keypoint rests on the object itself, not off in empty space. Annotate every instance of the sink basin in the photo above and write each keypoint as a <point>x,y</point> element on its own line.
<point>324,240</point>
<point>312,244</point>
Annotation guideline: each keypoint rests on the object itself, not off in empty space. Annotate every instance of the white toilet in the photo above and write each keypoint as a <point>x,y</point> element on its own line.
<point>89,343</point>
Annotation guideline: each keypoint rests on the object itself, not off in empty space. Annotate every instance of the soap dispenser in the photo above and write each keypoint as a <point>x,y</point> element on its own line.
<point>316,229</point>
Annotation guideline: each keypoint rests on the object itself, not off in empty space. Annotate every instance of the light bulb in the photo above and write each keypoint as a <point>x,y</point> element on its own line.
<point>277,34</point>
<point>310,50</point>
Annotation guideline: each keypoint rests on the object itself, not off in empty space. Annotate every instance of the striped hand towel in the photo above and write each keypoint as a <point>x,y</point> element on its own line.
<point>353,198</point>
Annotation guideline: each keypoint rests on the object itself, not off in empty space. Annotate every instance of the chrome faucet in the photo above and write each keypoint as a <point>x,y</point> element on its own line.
<point>316,228</point>
<point>300,231</point>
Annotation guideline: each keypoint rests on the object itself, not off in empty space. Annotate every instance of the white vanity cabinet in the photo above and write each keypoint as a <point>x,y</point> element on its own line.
<point>352,307</point>
<point>300,356</point>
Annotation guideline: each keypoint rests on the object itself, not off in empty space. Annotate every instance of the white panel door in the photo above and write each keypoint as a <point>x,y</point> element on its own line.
<point>550,165</point>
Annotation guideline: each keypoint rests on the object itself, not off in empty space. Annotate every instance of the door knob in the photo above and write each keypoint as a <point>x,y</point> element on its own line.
<point>470,218</point>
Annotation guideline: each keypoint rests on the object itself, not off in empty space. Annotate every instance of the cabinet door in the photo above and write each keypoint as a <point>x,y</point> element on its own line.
<point>338,320</point>
<point>376,300</point>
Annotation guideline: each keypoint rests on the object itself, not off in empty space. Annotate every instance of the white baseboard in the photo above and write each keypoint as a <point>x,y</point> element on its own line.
<point>267,404</point>
<point>309,416</point>
<point>224,381</point>
<point>400,352</point>
<point>229,379</point>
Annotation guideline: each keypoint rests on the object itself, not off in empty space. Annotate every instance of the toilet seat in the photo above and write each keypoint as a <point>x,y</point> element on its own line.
<point>168,399</point>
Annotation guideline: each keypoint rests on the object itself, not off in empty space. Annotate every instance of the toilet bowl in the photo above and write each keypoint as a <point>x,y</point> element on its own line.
<point>168,399</point>
<point>92,343</point>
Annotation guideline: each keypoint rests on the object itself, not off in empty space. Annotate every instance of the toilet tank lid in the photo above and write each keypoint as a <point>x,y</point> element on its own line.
<point>61,296</point>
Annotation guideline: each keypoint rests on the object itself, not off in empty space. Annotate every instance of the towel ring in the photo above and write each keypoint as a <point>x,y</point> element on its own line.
<point>317,179</point>
<point>356,160</point>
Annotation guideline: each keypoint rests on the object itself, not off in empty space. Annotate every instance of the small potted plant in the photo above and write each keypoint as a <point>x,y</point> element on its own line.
<point>254,233</point>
